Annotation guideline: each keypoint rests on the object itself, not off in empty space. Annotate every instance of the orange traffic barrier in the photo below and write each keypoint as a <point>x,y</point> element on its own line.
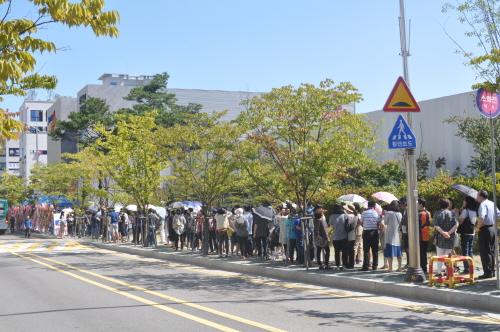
<point>450,279</point>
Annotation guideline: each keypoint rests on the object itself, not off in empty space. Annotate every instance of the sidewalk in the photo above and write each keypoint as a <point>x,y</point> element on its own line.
<point>483,295</point>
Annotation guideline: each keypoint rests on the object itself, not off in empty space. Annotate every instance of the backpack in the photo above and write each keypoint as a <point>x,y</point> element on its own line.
<point>467,227</point>
<point>241,227</point>
<point>176,223</point>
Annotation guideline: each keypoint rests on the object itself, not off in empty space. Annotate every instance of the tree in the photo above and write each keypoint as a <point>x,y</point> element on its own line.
<point>477,132</point>
<point>80,179</point>
<point>105,189</point>
<point>481,17</point>
<point>133,155</point>
<point>202,157</point>
<point>12,188</point>
<point>155,97</point>
<point>301,138</point>
<point>52,181</point>
<point>81,125</point>
<point>18,43</point>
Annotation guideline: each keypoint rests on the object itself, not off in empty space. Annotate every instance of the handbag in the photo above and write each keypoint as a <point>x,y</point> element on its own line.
<point>466,227</point>
<point>349,227</point>
<point>434,239</point>
<point>230,231</point>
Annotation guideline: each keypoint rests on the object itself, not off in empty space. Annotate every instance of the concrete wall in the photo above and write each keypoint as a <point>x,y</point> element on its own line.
<point>434,136</point>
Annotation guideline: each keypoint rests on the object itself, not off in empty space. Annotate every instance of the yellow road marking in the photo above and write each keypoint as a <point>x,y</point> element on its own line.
<point>33,246</point>
<point>14,247</point>
<point>481,319</point>
<point>75,245</point>
<point>170,298</point>
<point>135,297</point>
<point>51,246</point>
<point>3,245</point>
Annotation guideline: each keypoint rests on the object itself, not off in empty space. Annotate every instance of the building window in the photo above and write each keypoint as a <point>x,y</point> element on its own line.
<point>82,98</point>
<point>3,165</point>
<point>2,153</point>
<point>36,115</point>
<point>131,85</point>
<point>113,83</point>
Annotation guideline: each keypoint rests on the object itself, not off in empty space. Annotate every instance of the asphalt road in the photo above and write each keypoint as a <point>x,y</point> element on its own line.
<point>64,287</point>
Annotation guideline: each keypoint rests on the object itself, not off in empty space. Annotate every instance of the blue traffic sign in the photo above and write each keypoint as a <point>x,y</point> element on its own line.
<point>401,136</point>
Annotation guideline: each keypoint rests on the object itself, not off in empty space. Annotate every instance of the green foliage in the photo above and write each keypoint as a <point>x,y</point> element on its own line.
<point>81,124</point>
<point>383,174</point>
<point>72,180</point>
<point>12,189</point>
<point>296,141</point>
<point>133,155</point>
<point>477,132</point>
<point>481,18</point>
<point>202,157</point>
<point>18,42</point>
<point>155,97</point>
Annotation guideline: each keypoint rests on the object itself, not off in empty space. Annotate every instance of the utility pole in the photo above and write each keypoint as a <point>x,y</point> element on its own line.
<point>414,272</point>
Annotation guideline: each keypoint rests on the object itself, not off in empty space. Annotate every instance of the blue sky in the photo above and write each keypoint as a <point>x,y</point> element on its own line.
<point>258,45</point>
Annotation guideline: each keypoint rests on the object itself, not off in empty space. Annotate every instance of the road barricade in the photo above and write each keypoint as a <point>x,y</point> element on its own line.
<point>450,279</point>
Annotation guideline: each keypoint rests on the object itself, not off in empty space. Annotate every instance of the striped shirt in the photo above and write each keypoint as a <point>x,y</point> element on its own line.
<point>370,219</point>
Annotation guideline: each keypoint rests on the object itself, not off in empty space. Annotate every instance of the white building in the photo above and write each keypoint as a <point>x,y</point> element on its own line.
<point>116,86</point>
<point>33,143</point>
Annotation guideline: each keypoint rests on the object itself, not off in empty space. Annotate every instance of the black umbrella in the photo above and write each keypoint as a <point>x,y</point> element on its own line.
<point>265,212</point>
<point>464,190</point>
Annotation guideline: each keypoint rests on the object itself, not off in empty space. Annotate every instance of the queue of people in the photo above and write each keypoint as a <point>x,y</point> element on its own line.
<point>355,234</point>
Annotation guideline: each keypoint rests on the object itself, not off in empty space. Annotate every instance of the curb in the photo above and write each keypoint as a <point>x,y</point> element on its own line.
<point>412,291</point>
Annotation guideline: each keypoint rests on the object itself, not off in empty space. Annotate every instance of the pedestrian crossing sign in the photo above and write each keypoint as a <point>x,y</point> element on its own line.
<point>401,136</point>
<point>401,99</point>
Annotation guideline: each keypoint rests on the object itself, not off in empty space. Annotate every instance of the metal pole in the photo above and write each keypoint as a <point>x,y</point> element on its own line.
<point>494,177</point>
<point>305,238</point>
<point>414,272</point>
<point>36,138</point>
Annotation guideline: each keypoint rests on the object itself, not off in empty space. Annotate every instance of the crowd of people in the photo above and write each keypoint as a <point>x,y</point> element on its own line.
<point>353,232</point>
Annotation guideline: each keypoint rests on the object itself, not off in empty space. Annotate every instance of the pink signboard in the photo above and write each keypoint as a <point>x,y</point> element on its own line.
<point>488,103</point>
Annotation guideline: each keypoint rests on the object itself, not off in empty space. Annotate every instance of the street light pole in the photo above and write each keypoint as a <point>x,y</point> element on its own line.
<point>414,272</point>
<point>36,142</point>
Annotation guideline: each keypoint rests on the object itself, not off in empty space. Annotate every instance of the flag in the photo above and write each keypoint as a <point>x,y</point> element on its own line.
<point>52,121</point>
<point>51,118</point>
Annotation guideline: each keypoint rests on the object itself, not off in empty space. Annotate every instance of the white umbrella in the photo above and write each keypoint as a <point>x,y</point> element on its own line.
<point>67,210</point>
<point>195,208</point>
<point>175,205</point>
<point>352,198</point>
<point>131,207</point>
<point>149,206</point>
<point>161,211</point>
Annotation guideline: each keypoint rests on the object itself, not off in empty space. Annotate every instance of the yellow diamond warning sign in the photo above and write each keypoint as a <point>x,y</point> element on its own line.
<point>401,99</point>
